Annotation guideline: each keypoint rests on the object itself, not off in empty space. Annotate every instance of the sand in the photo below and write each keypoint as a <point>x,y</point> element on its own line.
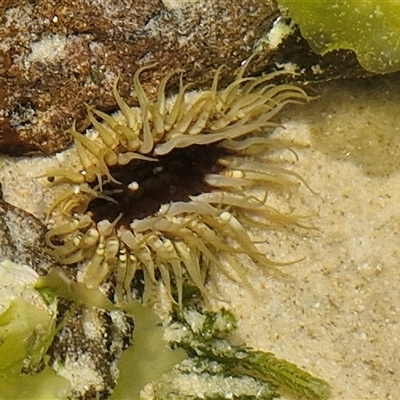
<point>337,314</point>
<point>339,317</point>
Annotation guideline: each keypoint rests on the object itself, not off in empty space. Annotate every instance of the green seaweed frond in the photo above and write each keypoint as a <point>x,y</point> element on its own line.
<point>227,370</point>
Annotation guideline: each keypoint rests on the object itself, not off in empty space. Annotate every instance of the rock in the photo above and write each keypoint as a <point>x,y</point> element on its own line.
<point>284,48</point>
<point>88,346</point>
<point>58,55</point>
<point>22,238</point>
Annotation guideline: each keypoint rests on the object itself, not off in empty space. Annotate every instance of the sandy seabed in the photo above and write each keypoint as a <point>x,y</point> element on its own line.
<point>338,313</point>
<point>339,317</point>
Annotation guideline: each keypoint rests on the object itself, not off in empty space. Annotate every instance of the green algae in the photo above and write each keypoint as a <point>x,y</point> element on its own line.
<point>217,369</point>
<point>27,328</point>
<point>46,385</point>
<point>148,358</point>
<point>370,28</point>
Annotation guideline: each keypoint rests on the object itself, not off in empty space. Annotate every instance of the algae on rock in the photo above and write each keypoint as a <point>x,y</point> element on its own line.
<point>370,28</point>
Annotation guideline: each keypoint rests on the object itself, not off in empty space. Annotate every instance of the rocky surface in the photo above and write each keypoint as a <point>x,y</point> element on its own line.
<point>22,238</point>
<point>57,55</point>
<point>91,340</point>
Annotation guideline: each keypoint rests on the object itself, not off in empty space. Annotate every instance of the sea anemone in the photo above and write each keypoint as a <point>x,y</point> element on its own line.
<point>172,187</point>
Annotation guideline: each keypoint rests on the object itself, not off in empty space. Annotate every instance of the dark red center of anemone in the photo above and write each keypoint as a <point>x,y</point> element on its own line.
<point>146,185</point>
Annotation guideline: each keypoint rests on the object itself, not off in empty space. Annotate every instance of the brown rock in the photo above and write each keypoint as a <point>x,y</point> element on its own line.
<point>57,55</point>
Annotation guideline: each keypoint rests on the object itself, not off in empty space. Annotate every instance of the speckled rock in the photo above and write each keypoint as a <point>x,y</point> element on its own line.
<point>22,238</point>
<point>57,55</point>
<point>87,348</point>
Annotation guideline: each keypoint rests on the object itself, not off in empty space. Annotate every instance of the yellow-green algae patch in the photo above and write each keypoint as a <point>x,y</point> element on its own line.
<point>370,28</point>
<point>46,385</point>
<point>148,358</point>
<point>27,327</point>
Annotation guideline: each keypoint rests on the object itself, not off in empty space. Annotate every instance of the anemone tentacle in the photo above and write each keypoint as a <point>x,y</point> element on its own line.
<point>167,188</point>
